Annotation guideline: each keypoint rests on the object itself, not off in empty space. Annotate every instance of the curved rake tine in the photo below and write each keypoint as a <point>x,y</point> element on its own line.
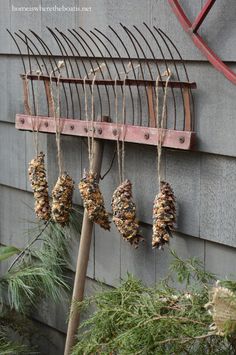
<point>78,37</point>
<point>104,59</point>
<point>71,66</point>
<point>38,51</point>
<point>185,70</point>
<point>29,49</point>
<point>36,48</point>
<point>166,65</point>
<point>18,47</point>
<point>119,56</point>
<point>153,56</point>
<point>127,52</point>
<point>80,56</point>
<point>50,56</point>
<point>176,69</point>
<point>131,35</point>
<point>65,57</point>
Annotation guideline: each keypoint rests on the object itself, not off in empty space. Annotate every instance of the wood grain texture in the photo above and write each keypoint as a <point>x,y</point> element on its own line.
<point>217,212</point>
<point>16,216</point>
<point>5,40</point>
<point>139,262</point>
<point>220,260</point>
<point>219,29</point>
<point>107,256</point>
<point>183,173</point>
<point>12,157</point>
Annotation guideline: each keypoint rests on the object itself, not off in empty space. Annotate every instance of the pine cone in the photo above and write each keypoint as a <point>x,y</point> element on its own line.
<point>38,180</point>
<point>93,200</point>
<point>164,216</point>
<point>62,199</point>
<point>124,213</point>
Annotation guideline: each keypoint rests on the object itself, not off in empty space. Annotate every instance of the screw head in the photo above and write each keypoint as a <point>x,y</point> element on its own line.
<point>86,129</point>
<point>99,131</point>
<point>22,121</point>
<point>181,139</point>
<point>72,127</point>
<point>146,135</point>
<point>46,124</point>
<point>114,132</point>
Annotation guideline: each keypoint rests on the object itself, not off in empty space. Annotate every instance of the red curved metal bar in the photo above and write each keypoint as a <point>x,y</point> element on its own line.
<point>192,28</point>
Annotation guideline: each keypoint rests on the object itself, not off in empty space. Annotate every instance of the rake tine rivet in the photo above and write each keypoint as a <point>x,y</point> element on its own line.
<point>72,127</point>
<point>114,132</point>
<point>99,131</point>
<point>22,121</point>
<point>86,129</point>
<point>46,124</point>
<point>181,139</point>
<point>146,135</point>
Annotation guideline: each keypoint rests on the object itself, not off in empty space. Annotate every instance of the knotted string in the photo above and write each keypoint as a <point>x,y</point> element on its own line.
<point>160,125</point>
<point>56,116</point>
<point>117,130</point>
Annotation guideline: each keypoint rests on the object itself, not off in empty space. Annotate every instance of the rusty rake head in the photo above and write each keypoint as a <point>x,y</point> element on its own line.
<point>141,55</point>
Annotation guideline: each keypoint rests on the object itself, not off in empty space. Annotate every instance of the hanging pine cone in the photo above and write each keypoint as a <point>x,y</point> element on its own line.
<point>38,180</point>
<point>93,200</point>
<point>164,215</point>
<point>62,199</point>
<point>124,213</point>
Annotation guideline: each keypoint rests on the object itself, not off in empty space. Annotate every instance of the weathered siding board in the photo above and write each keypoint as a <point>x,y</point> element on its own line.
<point>5,41</point>
<point>215,107</point>
<point>12,157</point>
<point>220,260</point>
<point>218,180</point>
<point>183,173</point>
<point>107,256</point>
<point>219,29</point>
<point>139,262</point>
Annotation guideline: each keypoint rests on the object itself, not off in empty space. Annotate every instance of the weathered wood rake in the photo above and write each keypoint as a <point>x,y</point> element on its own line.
<point>101,71</point>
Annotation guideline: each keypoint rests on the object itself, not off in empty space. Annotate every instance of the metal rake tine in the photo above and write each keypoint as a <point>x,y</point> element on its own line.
<point>132,39</point>
<point>176,71</point>
<point>29,49</point>
<point>18,47</point>
<point>123,65</point>
<point>81,40</point>
<point>64,56</point>
<point>104,60</point>
<point>50,57</point>
<point>71,66</point>
<point>185,70</point>
<point>166,65</point>
<point>128,54</point>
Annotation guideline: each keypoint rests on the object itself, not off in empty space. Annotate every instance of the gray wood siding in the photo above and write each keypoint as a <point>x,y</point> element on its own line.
<point>204,180</point>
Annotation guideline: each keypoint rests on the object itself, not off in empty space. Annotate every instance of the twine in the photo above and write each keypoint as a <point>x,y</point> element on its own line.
<point>117,136</point>
<point>56,112</point>
<point>90,127</point>
<point>160,125</point>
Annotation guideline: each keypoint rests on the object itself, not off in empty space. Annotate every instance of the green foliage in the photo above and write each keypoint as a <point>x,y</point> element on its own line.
<point>35,273</point>
<point>8,251</point>
<point>135,319</point>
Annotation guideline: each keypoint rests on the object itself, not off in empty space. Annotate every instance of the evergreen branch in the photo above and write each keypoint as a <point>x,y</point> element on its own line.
<point>22,253</point>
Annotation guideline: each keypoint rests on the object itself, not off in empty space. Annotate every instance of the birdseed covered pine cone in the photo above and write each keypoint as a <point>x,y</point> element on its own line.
<point>62,199</point>
<point>124,213</point>
<point>164,215</point>
<point>38,180</point>
<point>93,200</point>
